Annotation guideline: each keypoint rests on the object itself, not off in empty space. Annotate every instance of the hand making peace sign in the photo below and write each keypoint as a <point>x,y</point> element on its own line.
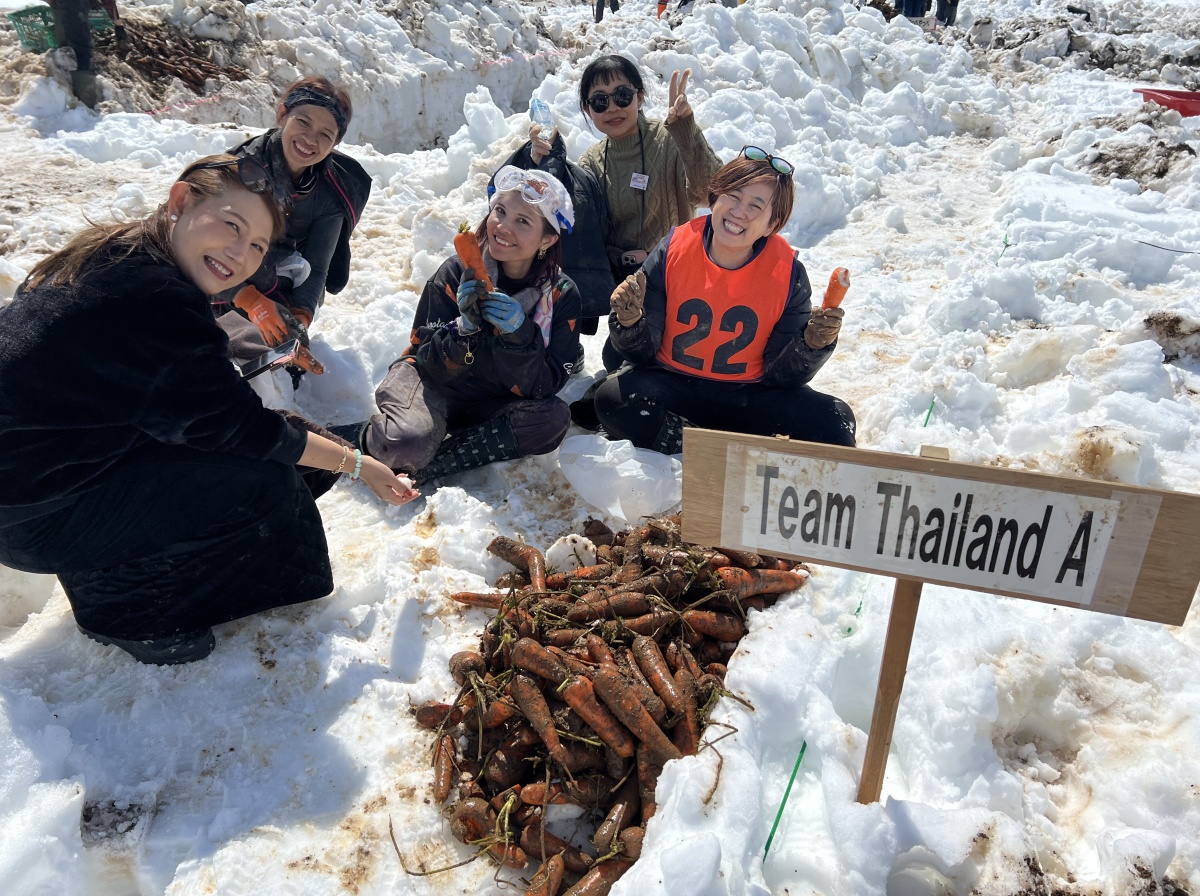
<point>677,103</point>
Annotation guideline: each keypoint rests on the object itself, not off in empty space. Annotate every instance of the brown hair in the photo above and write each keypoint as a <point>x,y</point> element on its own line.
<point>544,268</point>
<point>151,234</point>
<point>325,90</point>
<point>741,171</point>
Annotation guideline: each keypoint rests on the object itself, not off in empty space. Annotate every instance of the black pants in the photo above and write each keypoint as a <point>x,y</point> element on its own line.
<point>72,29</point>
<point>633,404</point>
<point>177,540</point>
<point>599,7</point>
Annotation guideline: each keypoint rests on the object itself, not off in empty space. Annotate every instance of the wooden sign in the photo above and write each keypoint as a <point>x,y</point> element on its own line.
<point>1105,547</point>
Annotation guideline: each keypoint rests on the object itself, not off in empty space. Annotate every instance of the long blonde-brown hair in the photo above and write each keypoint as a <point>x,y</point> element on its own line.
<point>151,234</point>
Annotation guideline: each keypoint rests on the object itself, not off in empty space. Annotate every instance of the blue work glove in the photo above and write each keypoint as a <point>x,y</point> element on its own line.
<point>503,311</point>
<point>470,291</point>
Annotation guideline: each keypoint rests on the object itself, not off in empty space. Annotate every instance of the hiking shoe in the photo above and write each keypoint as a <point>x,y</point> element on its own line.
<point>172,650</point>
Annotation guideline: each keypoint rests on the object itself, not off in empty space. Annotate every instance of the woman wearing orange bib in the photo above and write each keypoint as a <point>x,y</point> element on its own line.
<point>718,327</point>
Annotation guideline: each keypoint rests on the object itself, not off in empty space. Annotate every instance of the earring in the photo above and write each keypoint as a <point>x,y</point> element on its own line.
<point>542,253</point>
<point>174,217</point>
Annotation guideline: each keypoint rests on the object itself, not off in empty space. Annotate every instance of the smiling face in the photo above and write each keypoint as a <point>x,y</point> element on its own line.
<point>516,230</point>
<point>219,242</point>
<point>615,122</point>
<point>308,135</point>
<point>739,218</point>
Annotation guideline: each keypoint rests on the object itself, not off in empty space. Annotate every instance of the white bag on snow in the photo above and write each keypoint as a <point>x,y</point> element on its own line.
<point>626,482</point>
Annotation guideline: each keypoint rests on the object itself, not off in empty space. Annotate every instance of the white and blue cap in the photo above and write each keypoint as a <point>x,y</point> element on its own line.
<point>545,191</point>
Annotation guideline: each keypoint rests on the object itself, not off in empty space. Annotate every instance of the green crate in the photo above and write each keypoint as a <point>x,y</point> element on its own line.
<point>35,26</point>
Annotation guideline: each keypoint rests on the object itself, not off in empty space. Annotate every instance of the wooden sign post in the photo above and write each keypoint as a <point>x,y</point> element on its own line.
<point>1105,547</point>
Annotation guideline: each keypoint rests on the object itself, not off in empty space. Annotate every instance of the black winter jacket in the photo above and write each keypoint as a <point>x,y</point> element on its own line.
<point>129,356</point>
<point>319,226</point>
<point>584,256</point>
<point>504,366</point>
<point>787,358</point>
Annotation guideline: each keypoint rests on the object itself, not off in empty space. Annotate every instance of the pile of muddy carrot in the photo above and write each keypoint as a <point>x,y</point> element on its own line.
<point>585,684</point>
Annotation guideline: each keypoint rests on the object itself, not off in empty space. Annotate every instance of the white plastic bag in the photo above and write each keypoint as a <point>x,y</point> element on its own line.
<point>628,483</point>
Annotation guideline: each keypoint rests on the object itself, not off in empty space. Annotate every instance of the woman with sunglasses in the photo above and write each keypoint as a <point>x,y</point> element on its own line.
<point>719,326</point>
<point>323,193</point>
<point>654,173</point>
<point>484,364</point>
<point>135,463</point>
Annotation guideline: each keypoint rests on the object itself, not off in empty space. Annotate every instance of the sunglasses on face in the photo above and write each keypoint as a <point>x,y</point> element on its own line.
<point>758,154</point>
<point>252,174</point>
<point>622,96</point>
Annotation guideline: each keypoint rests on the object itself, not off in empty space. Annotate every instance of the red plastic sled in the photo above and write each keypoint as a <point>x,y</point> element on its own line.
<point>1185,102</point>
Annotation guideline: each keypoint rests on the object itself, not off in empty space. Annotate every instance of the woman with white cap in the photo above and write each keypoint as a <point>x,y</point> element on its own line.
<point>483,365</point>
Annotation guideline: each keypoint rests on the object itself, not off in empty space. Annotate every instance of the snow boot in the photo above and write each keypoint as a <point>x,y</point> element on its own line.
<point>670,435</point>
<point>173,650</point>
<point>484,443</point>
<point>85,88</point>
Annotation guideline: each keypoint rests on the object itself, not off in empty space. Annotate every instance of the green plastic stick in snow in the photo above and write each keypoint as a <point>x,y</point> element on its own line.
<point>929,413</point>
<point>786,792</point>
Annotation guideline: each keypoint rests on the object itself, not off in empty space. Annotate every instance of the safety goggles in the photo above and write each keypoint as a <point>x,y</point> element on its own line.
<point>254,177</point>
<point>758,154</point>
<point>535,190</point>
<point>622,96</point>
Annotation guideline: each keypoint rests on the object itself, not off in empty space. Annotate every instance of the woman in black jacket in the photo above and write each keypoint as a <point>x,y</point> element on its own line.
<point>135,463</point>
<point>484,366</point>
<point>323,193</point>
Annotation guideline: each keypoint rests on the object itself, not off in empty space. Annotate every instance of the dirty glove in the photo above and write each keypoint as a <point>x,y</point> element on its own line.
<point>470,291</point>
<point>263,313</point>
<point>823,327</point>
<point>627,299</point>
<point>502,311</point>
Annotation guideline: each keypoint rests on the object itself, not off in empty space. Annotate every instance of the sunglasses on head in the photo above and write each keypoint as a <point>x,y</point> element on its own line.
<point>758,154</point>
<point>252,174</point>
<point>622,96</point>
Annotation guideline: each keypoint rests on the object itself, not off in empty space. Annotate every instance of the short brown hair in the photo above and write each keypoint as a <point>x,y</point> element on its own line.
<point>741,171</point>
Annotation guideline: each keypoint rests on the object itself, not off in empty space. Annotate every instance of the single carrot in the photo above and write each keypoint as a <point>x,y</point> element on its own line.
<point>540,843</point>
<point>623,603</point>
<point>686,733</point>
<point>748,559</point>
<point>619,817</point>
<point>581,697</point>
<point>497,802</point>
<point>631,842</point>
<point>564,637</point>
<point>508,854</point>
<point>477,599</point>
<point>746,582</point>
<point>558,581</point>
<point>532,703</point>
<point>654,666</point>
<point>531,656</point>
<point>603,876</point>
<point>839,282</point>
<point>465,663</point>
<point>591,791</point>
<point>720,626</point>
<point>628,667</point>
<point>471,820</point>
<point>625,704</point>
<point>522,556</point>
<point>513,579</point>
<point>506,766</point>
<point>539,793</point>
<point>549,878</point>
<point>467,248</point>
<point>649,767</point>
<point>649,624</point>
<point>443,768</point>
<point>599,650</point>
<point>434,715</point>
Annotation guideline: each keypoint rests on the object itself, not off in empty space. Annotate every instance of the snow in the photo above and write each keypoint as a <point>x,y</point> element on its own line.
<point>1023,240</point>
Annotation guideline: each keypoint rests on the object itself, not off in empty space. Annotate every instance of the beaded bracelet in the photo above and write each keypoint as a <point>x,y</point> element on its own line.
<point>342,466</point>
<point>357,465</point>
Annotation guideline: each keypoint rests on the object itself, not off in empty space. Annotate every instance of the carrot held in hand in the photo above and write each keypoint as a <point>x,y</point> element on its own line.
<point>467,248</point>
<point>839,282</point>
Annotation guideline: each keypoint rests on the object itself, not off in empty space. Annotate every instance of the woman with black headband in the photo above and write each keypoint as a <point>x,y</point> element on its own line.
<point>323,192</point>
<point>135,464</point>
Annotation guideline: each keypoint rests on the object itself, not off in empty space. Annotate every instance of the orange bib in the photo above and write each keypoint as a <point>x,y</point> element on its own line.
<point>718,321</point>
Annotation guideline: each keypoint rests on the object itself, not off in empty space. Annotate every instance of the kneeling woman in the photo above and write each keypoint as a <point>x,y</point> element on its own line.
<point>719,325</point>
<point>135,463</point>
<point>484,366</point>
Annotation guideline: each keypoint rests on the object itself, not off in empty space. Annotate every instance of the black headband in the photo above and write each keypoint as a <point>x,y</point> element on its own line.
<point>306,96</point>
